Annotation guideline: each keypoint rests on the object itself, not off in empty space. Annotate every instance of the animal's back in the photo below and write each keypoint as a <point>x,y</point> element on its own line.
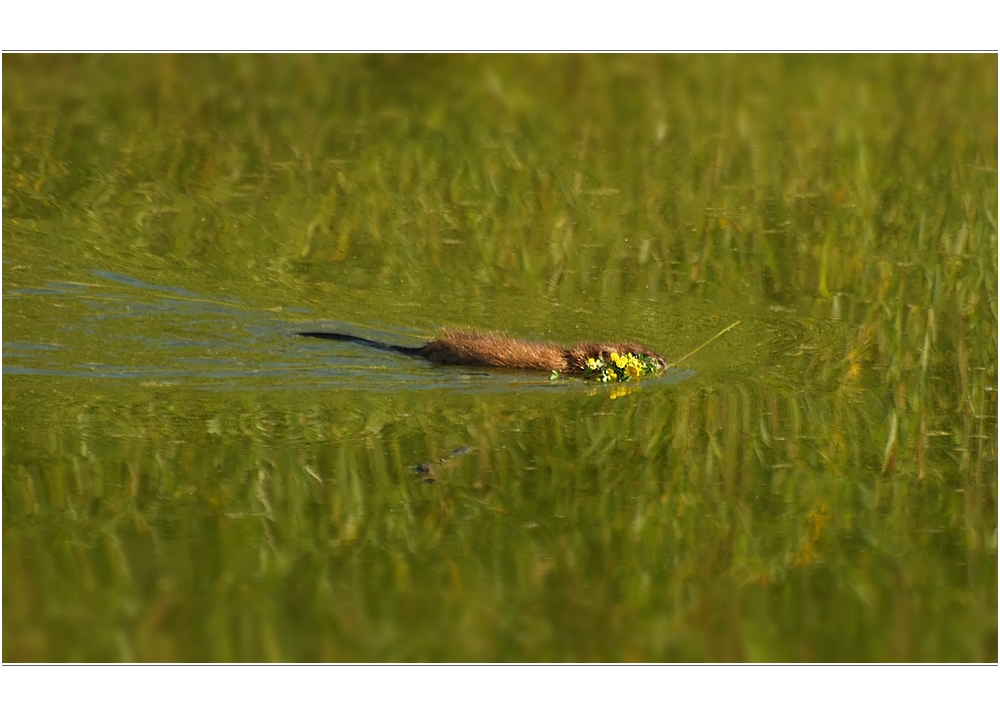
<point>486,349</point>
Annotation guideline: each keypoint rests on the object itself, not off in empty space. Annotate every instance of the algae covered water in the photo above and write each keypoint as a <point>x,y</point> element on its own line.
<point>186,479</point>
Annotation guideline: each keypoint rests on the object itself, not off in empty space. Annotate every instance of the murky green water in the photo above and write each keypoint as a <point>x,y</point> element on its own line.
<point>184,479</point>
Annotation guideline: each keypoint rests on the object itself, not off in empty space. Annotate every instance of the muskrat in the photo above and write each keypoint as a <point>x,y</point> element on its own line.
<point>496,351</point>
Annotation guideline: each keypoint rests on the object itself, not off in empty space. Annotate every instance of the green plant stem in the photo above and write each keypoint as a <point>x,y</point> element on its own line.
<point>717,335</point>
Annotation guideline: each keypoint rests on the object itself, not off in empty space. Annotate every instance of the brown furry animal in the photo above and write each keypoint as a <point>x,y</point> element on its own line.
<point>496,351</point>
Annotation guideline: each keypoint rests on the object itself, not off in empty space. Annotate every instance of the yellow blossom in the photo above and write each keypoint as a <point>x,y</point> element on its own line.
<point>618,368</point>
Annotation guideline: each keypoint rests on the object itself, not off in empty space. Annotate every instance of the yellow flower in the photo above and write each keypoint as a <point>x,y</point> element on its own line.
<point>618,368</point>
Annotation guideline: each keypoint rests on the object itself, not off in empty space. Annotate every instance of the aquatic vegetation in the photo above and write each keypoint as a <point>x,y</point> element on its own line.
<point>619,368</point>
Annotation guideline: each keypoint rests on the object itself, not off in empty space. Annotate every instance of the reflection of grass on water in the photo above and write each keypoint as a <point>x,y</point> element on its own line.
<point>770,537</point>
<point>834,500</point>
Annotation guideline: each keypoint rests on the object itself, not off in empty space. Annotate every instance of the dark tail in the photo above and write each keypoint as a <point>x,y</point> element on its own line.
<point>378,345</point>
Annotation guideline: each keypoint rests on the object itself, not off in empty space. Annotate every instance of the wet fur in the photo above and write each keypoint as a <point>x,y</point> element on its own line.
<point>496,351</point>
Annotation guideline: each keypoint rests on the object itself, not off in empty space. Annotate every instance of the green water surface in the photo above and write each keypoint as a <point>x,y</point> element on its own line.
<point>185,479</point>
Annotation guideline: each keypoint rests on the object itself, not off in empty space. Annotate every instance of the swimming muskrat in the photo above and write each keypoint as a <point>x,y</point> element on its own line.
<point>497,351</point>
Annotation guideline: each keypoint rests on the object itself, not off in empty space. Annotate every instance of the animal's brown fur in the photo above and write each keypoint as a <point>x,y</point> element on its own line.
<point>488,349</point>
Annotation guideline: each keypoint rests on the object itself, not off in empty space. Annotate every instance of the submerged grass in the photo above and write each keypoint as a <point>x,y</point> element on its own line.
<point>824,489</point>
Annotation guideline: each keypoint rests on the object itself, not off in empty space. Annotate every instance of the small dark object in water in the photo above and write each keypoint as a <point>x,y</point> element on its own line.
<point>426,469</point>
